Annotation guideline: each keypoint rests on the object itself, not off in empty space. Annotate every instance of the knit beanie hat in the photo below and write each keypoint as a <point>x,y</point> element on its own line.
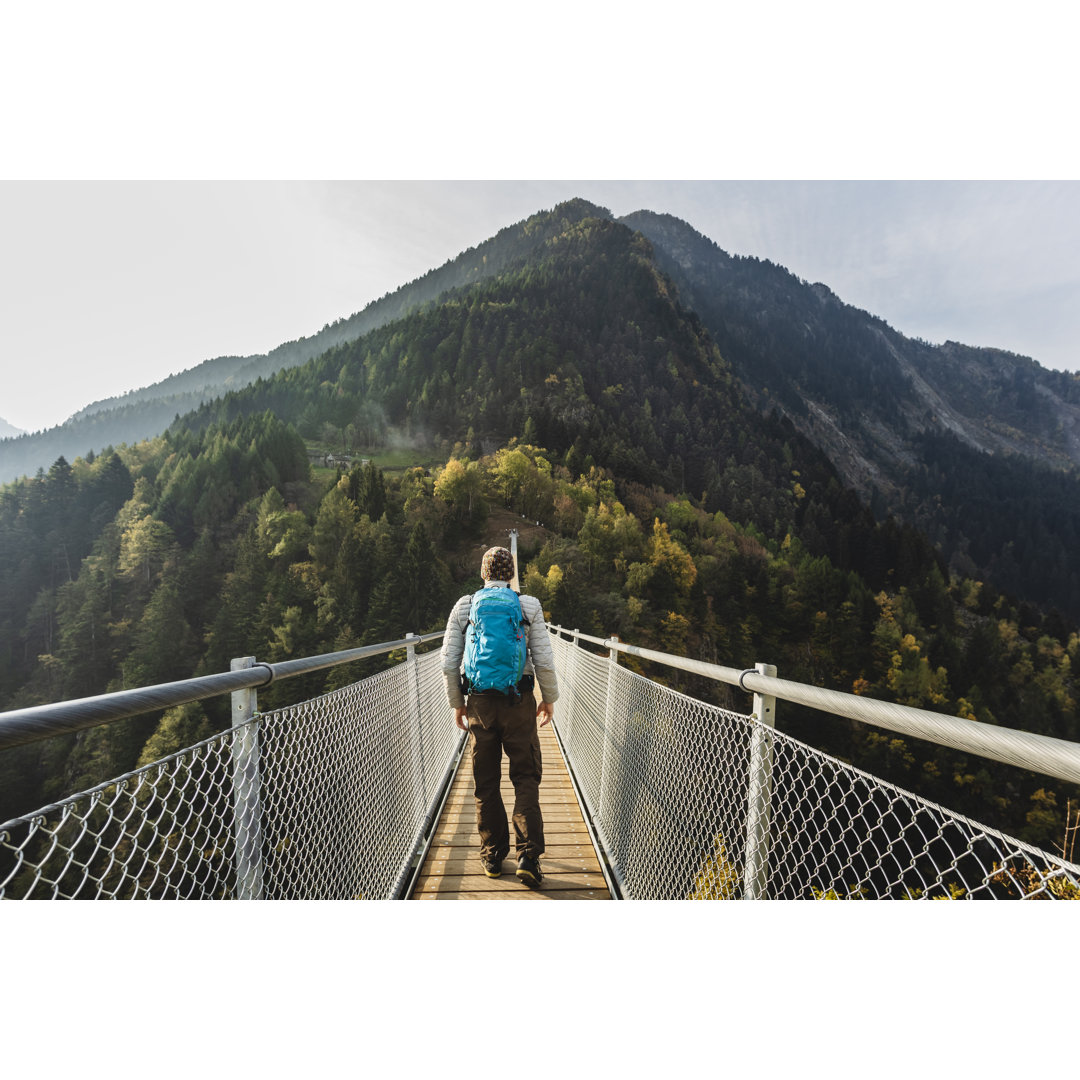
<point>497,565</point>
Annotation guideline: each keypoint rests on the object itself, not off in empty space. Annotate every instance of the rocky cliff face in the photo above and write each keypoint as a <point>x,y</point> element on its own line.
<point>863,392</point>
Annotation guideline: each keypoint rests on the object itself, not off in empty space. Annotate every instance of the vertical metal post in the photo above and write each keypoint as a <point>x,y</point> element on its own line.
<point>515,584</point>
<point>606,736</point>
<point>759,796</point>
<point>246,790</point>
<point>568,692</point>
<point>416,721</point>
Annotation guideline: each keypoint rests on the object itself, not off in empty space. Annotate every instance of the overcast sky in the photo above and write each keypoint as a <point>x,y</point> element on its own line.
<point>112,285</point>
<point>160,200</point>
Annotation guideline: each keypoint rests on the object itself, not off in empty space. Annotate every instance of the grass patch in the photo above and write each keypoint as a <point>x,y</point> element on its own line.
<point>386,458</point>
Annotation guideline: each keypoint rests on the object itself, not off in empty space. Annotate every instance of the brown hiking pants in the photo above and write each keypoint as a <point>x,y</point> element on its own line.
<point>496,725</point>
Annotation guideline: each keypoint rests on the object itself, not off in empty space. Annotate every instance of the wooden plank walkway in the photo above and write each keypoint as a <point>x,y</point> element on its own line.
<point>452,870</point>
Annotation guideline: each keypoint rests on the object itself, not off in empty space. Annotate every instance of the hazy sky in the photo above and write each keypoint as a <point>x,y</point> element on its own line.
<point>161,200</point>
<point>112,285</point>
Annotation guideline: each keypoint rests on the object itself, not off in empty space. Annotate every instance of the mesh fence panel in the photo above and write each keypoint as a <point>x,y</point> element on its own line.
<point>348,779</point>
<point>333,793</point>
<point>691,801</point>
<point>164,831</point>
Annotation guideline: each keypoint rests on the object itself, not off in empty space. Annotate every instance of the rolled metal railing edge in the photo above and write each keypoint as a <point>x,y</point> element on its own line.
<point>1025,749</point>
<point>21,726</point>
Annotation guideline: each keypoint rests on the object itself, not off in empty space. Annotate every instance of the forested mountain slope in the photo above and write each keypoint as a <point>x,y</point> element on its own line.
<point>976,447</point>
<point>862,390</point>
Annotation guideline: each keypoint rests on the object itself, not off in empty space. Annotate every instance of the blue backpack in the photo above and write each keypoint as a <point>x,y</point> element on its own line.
<point>495,641</point>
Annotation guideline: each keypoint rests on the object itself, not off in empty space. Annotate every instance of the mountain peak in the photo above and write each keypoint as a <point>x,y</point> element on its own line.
<point>680,240</point>
<point>577,209</point>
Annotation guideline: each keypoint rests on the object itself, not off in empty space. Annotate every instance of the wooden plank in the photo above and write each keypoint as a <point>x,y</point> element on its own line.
<point>550,798</point>
<point>468,872</point>
<point>462,803</point>
<point>466,826</point>
<point>523,894</point>
<point>564,860</point>
<point>466,830</point>
<point>553,799</point>
<point>454,883</point>
<point>559,813</point>
<point>565,845</point>
<point>554,806</point>
<point>551,786</point>
<point>468,837</point>
<point>547,787</point>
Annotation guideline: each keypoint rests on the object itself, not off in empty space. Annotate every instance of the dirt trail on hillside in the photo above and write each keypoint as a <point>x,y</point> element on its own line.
<point>465,561</point>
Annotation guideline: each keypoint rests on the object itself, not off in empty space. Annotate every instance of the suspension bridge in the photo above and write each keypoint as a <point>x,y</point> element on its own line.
<point>648,793</point>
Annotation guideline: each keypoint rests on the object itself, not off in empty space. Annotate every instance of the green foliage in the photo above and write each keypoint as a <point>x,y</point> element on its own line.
<point>1009,518</point>
<point>178,729</point>
<point>460,486</point>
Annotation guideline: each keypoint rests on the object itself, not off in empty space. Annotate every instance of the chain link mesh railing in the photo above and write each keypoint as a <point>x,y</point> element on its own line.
<point>691,801</point>
<point>333,794</point>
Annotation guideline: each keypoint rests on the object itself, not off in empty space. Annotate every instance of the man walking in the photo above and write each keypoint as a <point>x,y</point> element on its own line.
<point>481,630</point>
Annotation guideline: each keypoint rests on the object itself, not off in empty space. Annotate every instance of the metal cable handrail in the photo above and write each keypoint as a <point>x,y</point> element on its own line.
<point>1040,753</point>
<point>20,726</point>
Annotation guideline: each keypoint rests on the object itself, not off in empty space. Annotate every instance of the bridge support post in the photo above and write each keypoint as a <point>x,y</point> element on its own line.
<point>606,739</point>
<point>759,795</point>
<point>419,772</point>
<point>569,707</point>
<point>515,583</point>
<point>246,790</point>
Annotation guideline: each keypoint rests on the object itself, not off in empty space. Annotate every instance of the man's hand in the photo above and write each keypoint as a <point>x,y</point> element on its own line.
<point>547,710</point>
<point>461,718</point>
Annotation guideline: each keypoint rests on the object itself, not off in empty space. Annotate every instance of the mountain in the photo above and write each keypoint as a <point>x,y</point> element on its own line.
<point>8,430</point>
<point>144,413</point>
<point>978,448</point>
<point>861,390</point>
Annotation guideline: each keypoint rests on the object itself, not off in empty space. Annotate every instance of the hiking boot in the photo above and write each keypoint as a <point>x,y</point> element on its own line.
<point>528,871</point>
<point>492,867</point>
